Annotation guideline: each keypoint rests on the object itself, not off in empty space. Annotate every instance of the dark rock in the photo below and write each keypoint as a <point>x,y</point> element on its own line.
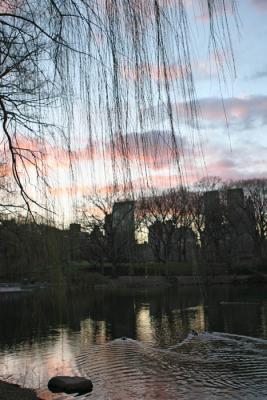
<point>194,333</point>
<point>70,384</point>
<point>124,338</point>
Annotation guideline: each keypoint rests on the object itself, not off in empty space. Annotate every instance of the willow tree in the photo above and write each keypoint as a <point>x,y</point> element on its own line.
<point>101,72</point>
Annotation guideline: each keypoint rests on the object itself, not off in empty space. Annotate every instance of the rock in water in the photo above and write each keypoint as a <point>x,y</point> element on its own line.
<point>70,384</point>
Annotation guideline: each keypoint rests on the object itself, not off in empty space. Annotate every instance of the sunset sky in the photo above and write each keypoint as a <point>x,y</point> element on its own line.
<point>242,154</point>
<point>231,139</point>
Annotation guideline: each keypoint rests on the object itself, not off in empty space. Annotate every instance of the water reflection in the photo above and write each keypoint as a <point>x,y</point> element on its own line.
<point>52,332</point>
<point>209,366</point>
<point>145,331</point>
<point>33,364</point>
<point>264,318</point>
<point>93,332</point>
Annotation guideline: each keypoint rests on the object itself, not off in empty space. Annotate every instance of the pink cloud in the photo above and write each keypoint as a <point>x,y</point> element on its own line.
<point>72,190</point>
<point>28,152</point>
<point>9,6</point>
<point>138,184</point>
<point>201,68</point>
<point>261,5</point>
<point>244,111</point>
<point>246,159</point>
<point>224,168</point>
<point>31,151</point>
<point>239,163</point>
<point>146,9</point>
<point>152,149</point>
<point>155,149</point>
<point>150,71</point>
<point>152,152</point>
<point>239,112</point>
<point>218,163</point>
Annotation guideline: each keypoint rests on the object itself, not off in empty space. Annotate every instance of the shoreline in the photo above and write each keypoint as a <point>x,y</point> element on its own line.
<point>154,282</point>
<point>146,282</point>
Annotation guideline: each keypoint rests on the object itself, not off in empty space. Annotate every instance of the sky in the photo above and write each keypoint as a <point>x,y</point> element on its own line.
<point>240,150</point>
<point>230,141</point>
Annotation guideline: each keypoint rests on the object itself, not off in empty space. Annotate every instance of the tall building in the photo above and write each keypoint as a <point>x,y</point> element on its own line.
<point>235,197</point>
<point>123,228</point>
<point>213,233</point>
<point>212,209</point>
<point>241,225</point>
<point>237,215</point>
<point>74,242</point>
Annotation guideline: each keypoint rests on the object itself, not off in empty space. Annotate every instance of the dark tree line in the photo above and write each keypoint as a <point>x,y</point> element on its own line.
<point>31,251</point>
<point>214,222</point>
<point>218,221</point>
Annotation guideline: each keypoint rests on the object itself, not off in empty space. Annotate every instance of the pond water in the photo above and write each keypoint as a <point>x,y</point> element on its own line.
<point>51,332</point>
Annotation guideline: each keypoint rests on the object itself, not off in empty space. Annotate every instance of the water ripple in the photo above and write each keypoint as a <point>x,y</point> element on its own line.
<point>208,366</point>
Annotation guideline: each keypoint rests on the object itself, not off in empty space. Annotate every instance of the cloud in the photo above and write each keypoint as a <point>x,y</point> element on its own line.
<point>155,72</point>
<point>37,151</point>
<point>145,8</point>
<point>225,168</point>
<point>261,5</point>
<point>240,163</point>
<point>155,149</point>
<point>151,159</point>
<point>139,184</point>
<point>9,6</point>
<point>72,190</point>
<point>149,150</point>
<point>238,112</point>
<point>156,152</point>
<point>29,153</point>
<point>246,159</point>
<point>259,74</point>
<point>200,68</point>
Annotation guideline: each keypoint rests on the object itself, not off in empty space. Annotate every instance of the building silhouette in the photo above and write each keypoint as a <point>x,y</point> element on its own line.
<point>212,245</point>
<point>228,239</point>
<point>229,228</point>
<point>240,219</point>
<point>123,230</point>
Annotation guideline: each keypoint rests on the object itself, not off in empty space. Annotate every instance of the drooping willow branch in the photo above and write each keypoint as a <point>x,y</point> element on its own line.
<point>108,73</point>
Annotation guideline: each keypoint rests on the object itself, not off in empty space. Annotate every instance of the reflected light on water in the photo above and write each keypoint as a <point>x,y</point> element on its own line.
<point>160,359</point>
<point>264,318</point>
<point>101,332</point>
<point>198,322</point>
<point>37,363</point>
<point>93,332</point>
<point>144,329</point>
<point>60,357</point>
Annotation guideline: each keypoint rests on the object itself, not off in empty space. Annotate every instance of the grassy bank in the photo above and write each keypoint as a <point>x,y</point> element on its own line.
<point>88,274</point>
<point>164,269</point>
<point>155,275</point>
<point>139,269</point>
